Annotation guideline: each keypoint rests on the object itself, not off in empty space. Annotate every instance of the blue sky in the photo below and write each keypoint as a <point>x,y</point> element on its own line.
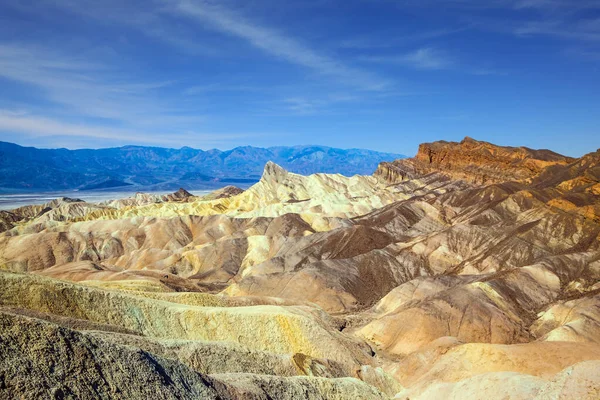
<point>379,74</point>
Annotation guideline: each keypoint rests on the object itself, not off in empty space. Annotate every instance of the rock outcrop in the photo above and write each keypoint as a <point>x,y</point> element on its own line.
<point>473,161</point>
<point>181,195</point>
<point>8,220</point>
<point>223,193</point>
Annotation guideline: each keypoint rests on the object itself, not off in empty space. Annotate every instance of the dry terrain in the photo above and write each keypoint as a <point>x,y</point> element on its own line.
<point>470,271</point>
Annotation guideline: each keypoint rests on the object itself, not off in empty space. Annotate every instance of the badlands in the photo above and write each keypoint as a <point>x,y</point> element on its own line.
<point>470,271</point>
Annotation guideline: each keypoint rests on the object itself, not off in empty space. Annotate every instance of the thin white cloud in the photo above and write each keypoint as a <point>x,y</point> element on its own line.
<point>556,4</point>
<point>431,59</point>
<point>40,126</point>
<point>506,4</point>
<point>565,19</point>
<point>141,15</point>
<point>588,31</point>
<point>107,104</point>
<point>301,105</point>
<point>311,104</point>
<point>86,89</point>
<point>584,53</point>
<point>389,39</point>
<point>276,43</point>
<point>215,87</point>
<point>426,58</point>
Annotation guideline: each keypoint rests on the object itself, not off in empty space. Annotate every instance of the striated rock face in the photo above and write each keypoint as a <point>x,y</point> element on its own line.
<point>468,271</point>
<point>64,333</point>
<point>61,209</point>
<point>142,199</point>
<point>180,195</point>
<point>473,161</point>
<point>8,220</point>
<point>43,359</point>
<point>223,193</point>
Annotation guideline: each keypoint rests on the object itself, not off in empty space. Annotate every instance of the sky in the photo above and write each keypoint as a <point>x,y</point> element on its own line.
<point>378,74</point>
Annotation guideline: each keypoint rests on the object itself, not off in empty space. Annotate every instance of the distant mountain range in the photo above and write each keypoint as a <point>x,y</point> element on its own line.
<point>154,168</point>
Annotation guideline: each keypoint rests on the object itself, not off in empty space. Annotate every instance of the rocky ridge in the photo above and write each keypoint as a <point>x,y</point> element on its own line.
<point>469,271</point>
<point>472,161</point>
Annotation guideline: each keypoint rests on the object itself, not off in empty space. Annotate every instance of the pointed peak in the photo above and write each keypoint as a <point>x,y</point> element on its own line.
<point>183,192</point>
<point>274,172</point>
<point>469,140</point>
<point>180,195</point>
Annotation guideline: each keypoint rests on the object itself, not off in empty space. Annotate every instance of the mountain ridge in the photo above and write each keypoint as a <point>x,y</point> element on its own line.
<point>472,161</point>
<point>157,168</point>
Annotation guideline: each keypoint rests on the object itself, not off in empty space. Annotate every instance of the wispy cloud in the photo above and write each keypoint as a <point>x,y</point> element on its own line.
<point>391,39</point>
<point>555,4</point>
<point>566,19</point>
<point>506,4</point>
<point>277,44</point>
<point>589,54</point>
<point>40,126</point>
<point>587,30</point>
<point>86,88</point>
<point>141,15</point>
<point>79,98</point>
<point>303,105</point>
<point>425,58</point>
<point>216,87</point>
<point>23,122</point>
<point>310,103</point>
<point>183,24</point>
<point>432,59</point>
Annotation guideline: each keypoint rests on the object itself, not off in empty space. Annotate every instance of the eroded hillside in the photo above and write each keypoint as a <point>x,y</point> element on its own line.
<point>468,271</point>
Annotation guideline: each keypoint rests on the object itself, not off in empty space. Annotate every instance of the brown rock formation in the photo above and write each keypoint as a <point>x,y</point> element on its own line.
<point>180,195</point>
<point>473,161</point>
<point>8,220</point>
<point>223,193</point>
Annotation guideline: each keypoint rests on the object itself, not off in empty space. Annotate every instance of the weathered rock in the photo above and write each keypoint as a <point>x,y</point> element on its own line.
<point>471,270</point>
<point>44,360</point>
<point>473,161</point>
<point>223,193</point>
